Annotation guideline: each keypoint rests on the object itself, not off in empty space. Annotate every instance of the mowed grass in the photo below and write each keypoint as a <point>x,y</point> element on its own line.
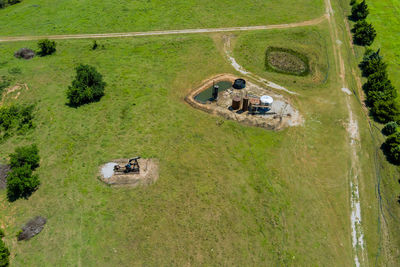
<point>33,17</point>
<point>227,195</point>
<point>384,15</point>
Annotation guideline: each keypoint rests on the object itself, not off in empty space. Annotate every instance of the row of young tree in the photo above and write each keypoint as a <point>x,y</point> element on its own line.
<point>381,95</point>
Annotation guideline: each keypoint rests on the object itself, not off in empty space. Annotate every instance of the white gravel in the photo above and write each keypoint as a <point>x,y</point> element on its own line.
<point>108,170</point>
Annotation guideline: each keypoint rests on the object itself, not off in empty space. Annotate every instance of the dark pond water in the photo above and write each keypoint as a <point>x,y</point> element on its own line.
<point>206,95</point>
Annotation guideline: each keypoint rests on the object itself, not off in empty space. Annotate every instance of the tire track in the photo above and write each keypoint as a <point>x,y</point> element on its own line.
<point>160,33</point>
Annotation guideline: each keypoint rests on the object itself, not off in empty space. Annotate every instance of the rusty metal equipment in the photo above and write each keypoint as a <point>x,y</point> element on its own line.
<point>132,166</point>
<point>245,105</point>
<point>236,102</point>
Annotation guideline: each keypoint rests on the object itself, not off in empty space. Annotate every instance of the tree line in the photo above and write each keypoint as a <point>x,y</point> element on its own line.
<point>381,96</point>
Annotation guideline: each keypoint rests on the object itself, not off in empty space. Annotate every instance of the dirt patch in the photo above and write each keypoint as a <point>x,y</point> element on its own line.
<point>280,115</point>
<point>32,228</point>
<point>13,89</point>
<point>148,173</point>
<point>287,61</point>
<point>4,170</point>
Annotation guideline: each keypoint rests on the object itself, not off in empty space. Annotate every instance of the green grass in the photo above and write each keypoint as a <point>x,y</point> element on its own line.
<point>384,15</point>
<point>227,195</point>
<point>34,17</point>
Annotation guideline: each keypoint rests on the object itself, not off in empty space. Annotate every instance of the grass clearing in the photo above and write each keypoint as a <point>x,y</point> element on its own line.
<point>38,17</point>
<point>227,194</point>
<point>384,15</point>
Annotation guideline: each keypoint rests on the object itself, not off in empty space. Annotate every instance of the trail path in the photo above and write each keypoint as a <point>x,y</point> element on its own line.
<point>359,246</point>
<point>168,32</point>
<point>239,68</point>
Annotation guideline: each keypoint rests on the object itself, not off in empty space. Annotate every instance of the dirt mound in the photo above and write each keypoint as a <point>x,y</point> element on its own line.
<point>32,228</point>
<point>286,61</point>
<point>148,173</point>
<point>24,53</point>
<point>4,170</point>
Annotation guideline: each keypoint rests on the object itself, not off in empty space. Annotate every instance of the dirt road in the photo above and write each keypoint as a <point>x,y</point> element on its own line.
<point>168,32</point>
<point>355,174</point>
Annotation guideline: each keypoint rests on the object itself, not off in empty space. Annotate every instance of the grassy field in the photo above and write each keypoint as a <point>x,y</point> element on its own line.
<point>384,15</point>
<point>34,17</point>
<point>229,194</point>
<point>380,177</point>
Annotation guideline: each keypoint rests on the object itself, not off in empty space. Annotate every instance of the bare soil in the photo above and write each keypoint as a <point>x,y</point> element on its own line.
<point>148,174</point>
<point>4,170</point>
<point>281,114</point>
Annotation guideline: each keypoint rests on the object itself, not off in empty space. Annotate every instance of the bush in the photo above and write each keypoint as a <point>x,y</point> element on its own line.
<point>21,183</point>
<point>372,62</point>
<point>4,254</point>
<point>15,118</point>
<point>390,128</point>
<point>391,148</point>
<point>25,155</point>
<point>87,87</point>
<point>363,33</point>
<point>359,11</point>
<point>95,45</point>
<point>46,47</point>
<point>384,111</point>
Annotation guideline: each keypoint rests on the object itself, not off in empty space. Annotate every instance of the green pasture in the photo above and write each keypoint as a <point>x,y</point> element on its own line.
<point>227,194</point>
<point>38,17</point>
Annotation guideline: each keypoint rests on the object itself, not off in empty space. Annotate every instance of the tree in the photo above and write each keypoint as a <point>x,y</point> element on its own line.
<point>359,11</point>
<point>372,62</point>
<point>4,254</point>
<point>385,111</point>
<point>352,2</point>
<point>391,147</point>
<point>25,155</point>
<point>377,81</point>
<point>87,87</point>
<point>46,47</point>
<point>363,33</point>
<point>21,183</point>
<point>390,128</point>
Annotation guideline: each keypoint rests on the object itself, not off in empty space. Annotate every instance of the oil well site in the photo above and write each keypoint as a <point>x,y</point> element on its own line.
<point>199,133</point>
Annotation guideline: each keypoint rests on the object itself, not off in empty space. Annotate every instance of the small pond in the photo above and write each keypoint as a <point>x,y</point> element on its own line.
<point>206,95</point>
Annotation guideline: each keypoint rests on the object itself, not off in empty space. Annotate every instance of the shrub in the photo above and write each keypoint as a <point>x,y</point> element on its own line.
<point>352,2</point>
<point>46,47</point>
<point>16,118</point>
<point>363,33</point>
<point>21,183</point>
<point>95,45</point>
<point>372,62</point>
<point>391,148</point>
<point>87,87</point>
<point>25,155</point>
<point>4,254</point>
<point>390,128</point>
<point>1,233</point>
<point>385,111</point>
<point>3,3</point>
<point>359,11</point>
